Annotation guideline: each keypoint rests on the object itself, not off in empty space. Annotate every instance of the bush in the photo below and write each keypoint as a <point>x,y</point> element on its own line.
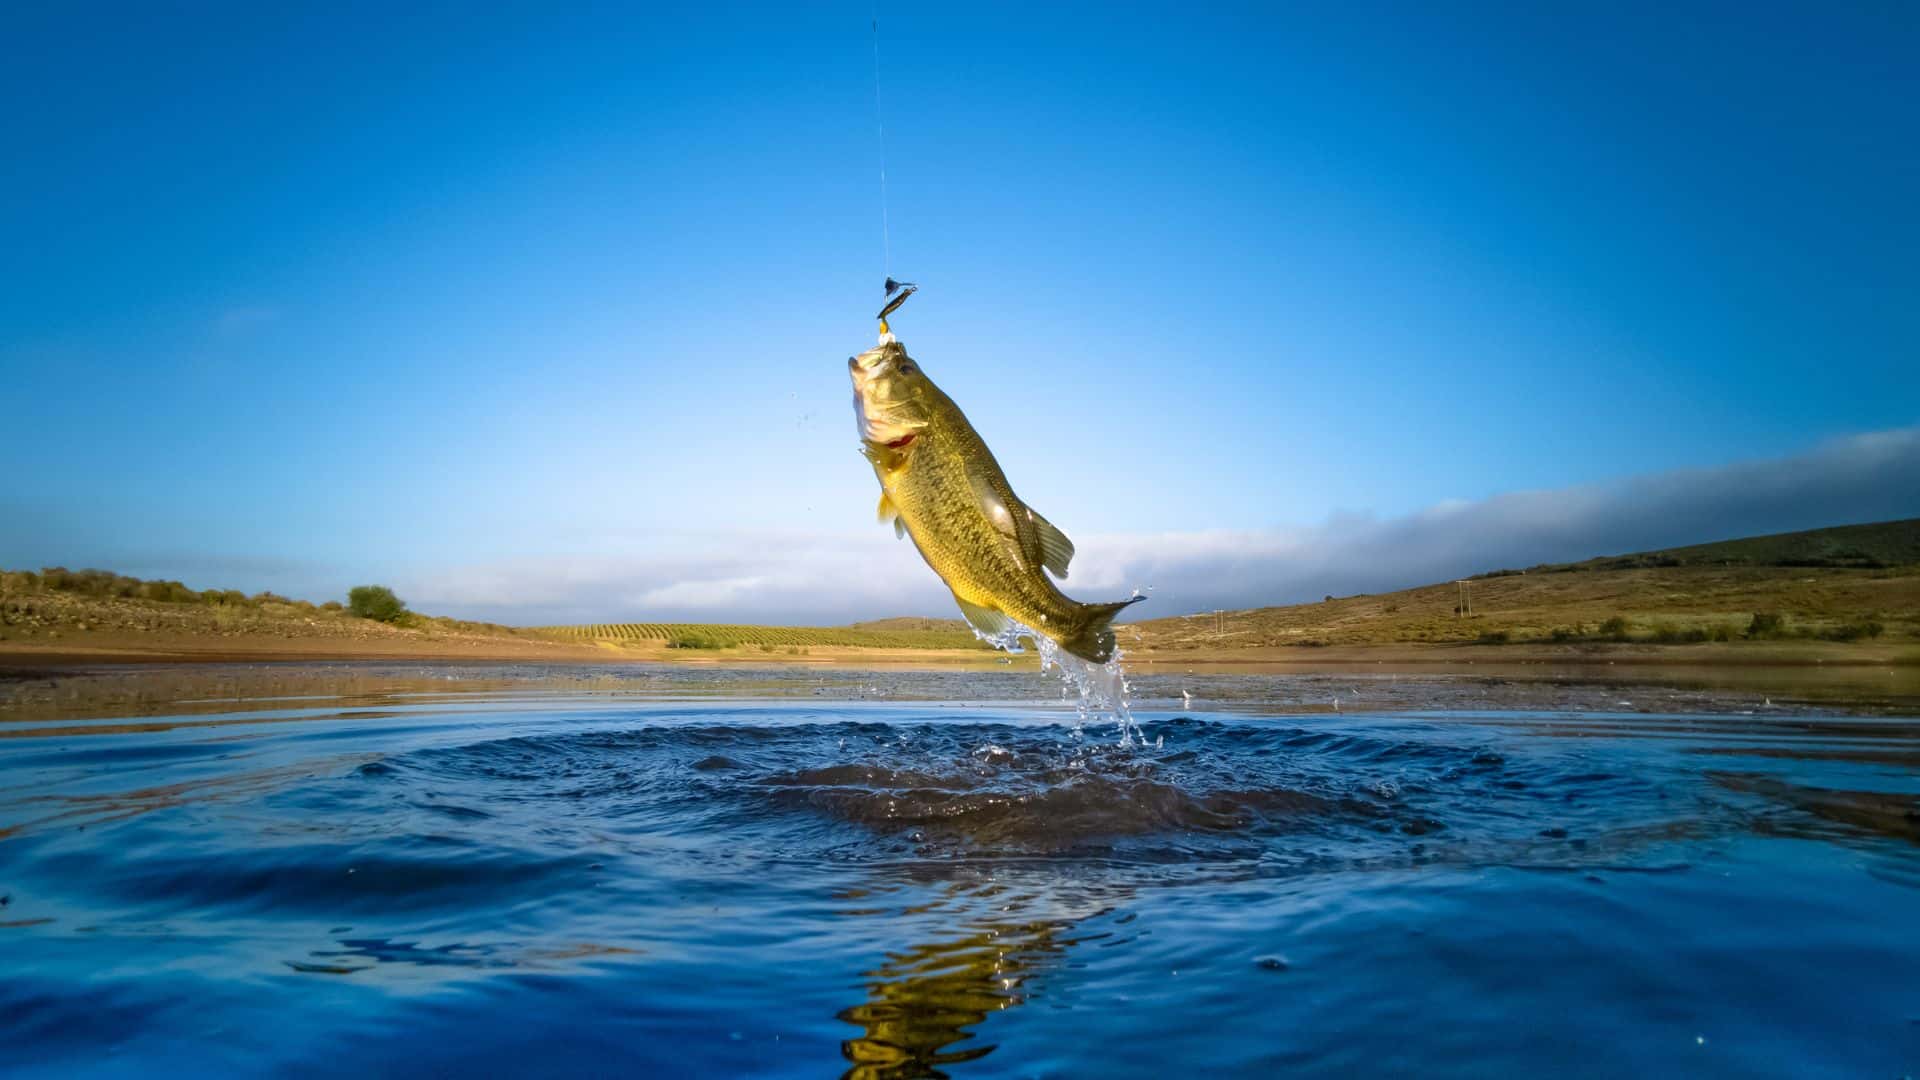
<point>1614,629</point>
<point>1495,637</point>
<point>98,583</point>
<point>333,605</point>
<point>375,602</point>
<point>168,592</point>
<point>1854,631</point>
<point>1564,633</point>
<point>1766,624</point>
<point>1666,633</point>
<point>700,639</point>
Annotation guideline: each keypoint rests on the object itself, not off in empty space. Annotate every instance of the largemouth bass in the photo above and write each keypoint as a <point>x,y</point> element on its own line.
<point>940,485</point>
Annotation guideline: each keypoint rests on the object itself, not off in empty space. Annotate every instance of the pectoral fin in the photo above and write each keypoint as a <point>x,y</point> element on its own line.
<point>1056,551</point>
<point>886,512</point>
<point>987,621</point>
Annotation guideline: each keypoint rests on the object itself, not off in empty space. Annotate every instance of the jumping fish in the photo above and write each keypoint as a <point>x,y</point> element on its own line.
<point>940,485</point>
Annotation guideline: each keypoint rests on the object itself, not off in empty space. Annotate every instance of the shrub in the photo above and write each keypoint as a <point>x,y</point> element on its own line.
<point>1564,633</point>
<point>375,602</point>
<point>333,605</point>
<point>1614,629</point>
<point>700,639</point>
<point>168,592</point>
<point>1495,637</point>
<point>1766,624</point>
<point>1854,631</point>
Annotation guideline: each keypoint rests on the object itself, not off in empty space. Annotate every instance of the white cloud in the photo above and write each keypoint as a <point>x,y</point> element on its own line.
<point>829,578</point>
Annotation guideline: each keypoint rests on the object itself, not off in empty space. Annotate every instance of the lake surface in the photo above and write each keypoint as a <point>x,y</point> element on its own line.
<point>392,870</point>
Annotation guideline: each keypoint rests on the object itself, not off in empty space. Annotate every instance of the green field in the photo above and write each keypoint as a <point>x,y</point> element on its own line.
<point>731,636</point>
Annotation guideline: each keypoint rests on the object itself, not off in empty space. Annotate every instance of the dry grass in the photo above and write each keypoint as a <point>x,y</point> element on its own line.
<point>1670,604</point>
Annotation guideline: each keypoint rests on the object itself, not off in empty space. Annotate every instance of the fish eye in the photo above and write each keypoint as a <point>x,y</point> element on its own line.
<point>906,369</point>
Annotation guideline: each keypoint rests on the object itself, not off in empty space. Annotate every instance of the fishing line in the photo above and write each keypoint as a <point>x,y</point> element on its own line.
<point>880,126</point>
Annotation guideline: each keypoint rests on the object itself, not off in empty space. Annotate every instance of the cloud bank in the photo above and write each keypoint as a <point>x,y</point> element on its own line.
<point>833,578</point>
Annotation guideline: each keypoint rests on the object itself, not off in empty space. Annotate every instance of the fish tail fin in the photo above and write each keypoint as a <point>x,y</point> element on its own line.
<point>1095,640</point>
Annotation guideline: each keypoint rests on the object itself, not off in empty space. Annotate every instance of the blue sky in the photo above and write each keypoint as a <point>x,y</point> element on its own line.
<point>543,314</point>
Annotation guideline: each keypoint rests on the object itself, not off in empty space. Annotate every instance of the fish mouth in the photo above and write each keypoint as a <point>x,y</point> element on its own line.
<point>875,358</point>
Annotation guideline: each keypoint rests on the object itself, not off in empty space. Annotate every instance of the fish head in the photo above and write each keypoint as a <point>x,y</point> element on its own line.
<point>892,397</point>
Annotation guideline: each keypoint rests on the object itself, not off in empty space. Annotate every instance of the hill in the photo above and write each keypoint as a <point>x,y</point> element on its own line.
<point>1858,547</point>
<point>904,633</point>
<point>1819,594</point>
<point>914,622</point>
<point>97,614</point>
<point>1851,583</point>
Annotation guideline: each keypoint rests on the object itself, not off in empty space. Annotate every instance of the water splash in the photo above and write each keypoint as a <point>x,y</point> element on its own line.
<point>1096,691</point>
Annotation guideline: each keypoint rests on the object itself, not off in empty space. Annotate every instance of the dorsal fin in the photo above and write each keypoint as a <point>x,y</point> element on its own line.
<point>1056,551</point>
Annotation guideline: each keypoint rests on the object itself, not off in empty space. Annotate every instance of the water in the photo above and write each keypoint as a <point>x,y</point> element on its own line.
<point>1096,691</point>
<point>398,871</point>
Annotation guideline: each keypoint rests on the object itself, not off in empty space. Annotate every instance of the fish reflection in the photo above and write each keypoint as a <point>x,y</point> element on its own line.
<point>923,1002</point>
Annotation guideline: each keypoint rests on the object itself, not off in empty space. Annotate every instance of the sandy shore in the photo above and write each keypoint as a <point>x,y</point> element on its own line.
<point>83,649</point>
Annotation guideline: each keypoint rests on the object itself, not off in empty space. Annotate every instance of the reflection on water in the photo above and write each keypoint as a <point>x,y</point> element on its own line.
<point>926,1000</point>
<point>1819,809</point>
<point>361,954</point>
<point>531,877</point>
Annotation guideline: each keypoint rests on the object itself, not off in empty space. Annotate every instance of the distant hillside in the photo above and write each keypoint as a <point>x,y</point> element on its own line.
<point>915,622</point>
<point>1851,583</point>
<point>1860,547</point>
<point>788,639</point>
<point>101,610</point>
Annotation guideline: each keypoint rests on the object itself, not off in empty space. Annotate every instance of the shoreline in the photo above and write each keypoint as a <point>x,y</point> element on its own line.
<point>84,650</point>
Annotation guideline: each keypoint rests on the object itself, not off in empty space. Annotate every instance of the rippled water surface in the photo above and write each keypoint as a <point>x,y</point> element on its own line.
<point>780,874</point>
